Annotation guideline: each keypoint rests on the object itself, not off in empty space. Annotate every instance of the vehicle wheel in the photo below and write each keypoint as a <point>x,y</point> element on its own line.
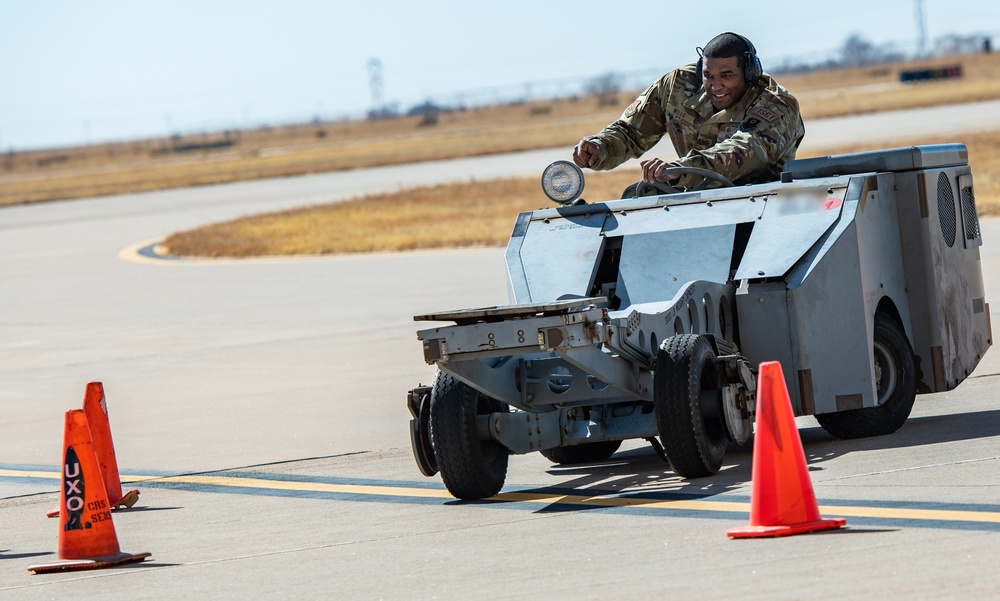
<point>420,435</point>
<point>687,396</point>
<point>470,468</point>
<point>582,453</point>
<point>895,382</point>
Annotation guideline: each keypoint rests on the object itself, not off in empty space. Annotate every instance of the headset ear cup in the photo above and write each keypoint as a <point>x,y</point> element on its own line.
<point>752,70</point>
<point>697,68</point>
<point>751,65</point>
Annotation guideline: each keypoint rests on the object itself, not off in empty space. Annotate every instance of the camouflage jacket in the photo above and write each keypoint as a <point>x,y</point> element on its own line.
<point>749,142</point>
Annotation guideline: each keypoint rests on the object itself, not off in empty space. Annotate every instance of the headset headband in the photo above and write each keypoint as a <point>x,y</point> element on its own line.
<point>751,66</point>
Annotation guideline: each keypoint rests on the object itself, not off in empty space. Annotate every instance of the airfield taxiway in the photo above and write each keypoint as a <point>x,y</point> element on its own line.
<point>258,406</point>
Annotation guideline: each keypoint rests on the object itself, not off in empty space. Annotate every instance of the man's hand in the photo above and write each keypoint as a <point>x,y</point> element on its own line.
<point>652,169</point>
<point>586,153</point>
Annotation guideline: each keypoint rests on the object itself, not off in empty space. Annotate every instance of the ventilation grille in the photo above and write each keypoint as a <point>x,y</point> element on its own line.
<point>946,209</point>
<point>969,215</point>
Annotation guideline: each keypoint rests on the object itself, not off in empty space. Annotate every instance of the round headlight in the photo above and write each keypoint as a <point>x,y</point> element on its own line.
<point>562,181</point>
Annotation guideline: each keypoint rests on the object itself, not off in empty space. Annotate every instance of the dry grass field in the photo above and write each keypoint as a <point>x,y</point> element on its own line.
<point>289,150</point>
<point>458,215</point>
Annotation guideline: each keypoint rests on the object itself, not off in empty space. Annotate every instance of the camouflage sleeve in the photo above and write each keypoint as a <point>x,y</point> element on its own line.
<point>765,140</point>
<point>638,129</point>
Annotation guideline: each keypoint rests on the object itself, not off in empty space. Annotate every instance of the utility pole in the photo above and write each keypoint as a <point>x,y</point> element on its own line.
<point>921,28</point>
<point>375,83</point>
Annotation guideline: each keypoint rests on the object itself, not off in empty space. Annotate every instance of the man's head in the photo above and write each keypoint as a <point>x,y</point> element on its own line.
<point>727,62</point>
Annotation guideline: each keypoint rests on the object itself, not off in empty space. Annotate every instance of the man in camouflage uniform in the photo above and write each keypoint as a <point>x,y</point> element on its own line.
<point>718,118</point>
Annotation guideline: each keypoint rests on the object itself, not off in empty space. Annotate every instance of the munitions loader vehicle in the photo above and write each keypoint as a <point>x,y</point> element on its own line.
<point>646,317</point>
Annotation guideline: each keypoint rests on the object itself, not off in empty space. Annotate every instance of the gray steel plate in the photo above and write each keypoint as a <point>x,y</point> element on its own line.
<point>501,312</point>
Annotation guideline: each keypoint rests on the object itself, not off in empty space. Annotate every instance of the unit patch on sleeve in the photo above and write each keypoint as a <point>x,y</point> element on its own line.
<point>632,108</point>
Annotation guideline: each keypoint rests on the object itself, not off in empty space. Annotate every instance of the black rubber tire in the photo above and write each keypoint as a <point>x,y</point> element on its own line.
<point>687,397</point>
<point>470,468</point>
<point>582,453</point>
<point>420,437</point>
<point>897,386</point>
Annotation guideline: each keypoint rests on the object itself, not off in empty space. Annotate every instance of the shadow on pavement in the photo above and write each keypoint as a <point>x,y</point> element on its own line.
<point>144,509</point>
<point>916,432</point>
<point>4,555</point>
<point>642,474</point>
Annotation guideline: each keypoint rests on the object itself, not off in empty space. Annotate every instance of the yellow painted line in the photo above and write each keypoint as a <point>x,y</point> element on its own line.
<point>393,491</point>
<point>900,513</point>
<point>950,515</point>
<point>232,482</point>
<point>351,489</point>
<point>131,253</point>
<point>722,506</point>
<point>894,513</point>
<point>29,474</point>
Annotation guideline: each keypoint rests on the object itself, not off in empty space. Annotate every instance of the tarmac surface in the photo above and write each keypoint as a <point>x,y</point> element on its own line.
<point>259,408</point>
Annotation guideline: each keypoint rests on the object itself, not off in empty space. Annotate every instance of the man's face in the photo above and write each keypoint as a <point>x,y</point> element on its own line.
<point>724,81</point>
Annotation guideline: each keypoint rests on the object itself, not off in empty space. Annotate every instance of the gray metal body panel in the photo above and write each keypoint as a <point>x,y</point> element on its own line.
<point>947,295</point>
<point>656,265</point>
<point>893,160</point>
<point>830,300</point>
<point>792,271</point>
<point>788,227</point>
<point>558,258</point>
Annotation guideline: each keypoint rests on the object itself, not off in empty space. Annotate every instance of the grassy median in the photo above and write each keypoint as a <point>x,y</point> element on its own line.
<point>462,215</point>
<point>318,147</point>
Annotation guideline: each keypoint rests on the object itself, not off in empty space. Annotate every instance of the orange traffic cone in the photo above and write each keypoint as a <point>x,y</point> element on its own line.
<point>782,501</point>
<point>87,538</point>
<point>96,407</point>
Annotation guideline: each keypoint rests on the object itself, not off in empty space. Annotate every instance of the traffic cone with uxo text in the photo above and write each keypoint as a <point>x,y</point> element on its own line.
<point>95,405</point>
<point>782,501</point>
<point>87,537</point>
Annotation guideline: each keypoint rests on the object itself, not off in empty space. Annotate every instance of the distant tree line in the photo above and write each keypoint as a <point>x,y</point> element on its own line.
<point>858,51</point>
<point>855,51</point>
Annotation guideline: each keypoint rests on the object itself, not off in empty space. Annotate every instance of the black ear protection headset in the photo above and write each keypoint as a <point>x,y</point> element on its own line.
<point>751,64</point>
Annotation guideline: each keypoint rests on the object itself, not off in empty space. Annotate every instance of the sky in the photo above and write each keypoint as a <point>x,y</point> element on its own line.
<point>75,72</point>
